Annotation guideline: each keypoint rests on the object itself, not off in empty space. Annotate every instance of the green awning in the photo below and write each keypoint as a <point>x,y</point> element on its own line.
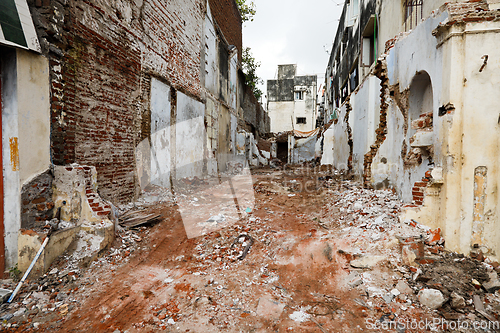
<point>16,25</point>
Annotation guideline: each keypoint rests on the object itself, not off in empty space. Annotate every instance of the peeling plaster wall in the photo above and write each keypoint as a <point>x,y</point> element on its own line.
<point>10,137</point>
<point>411,55</point>
<point>233,81</point>
<point>328,147</point>
<point>101,57</point>
<point>465,138</point>
<point>342,151</point>
<point>189,135</point>
<point>478,119</point>
<point>304,150</point>
<point>210,64</point>
<point>25,141</point>
<point>364,119</point>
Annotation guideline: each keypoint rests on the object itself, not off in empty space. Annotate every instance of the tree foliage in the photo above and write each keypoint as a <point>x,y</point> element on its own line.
<point>247,10</point>
<point>250,66</point>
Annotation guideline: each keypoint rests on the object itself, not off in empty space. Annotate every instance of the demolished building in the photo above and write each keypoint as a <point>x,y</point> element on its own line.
<point>411,89</point>
<point>100,100</point>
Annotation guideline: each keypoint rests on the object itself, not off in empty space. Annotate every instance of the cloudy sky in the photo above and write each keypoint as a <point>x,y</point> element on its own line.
<point>292,32</point>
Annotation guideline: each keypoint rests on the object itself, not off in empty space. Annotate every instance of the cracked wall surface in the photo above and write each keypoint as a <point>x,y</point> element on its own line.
<point>438,124</point>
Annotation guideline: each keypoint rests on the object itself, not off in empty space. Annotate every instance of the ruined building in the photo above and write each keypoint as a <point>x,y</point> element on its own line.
<point>412,90</point>
<point>291,101</point>
<point>99,99</point>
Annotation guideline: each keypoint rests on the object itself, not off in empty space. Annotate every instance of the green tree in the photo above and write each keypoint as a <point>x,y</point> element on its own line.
<point>247,10</point>
<point>250,66</point>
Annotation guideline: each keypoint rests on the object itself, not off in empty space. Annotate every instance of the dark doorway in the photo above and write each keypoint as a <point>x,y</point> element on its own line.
<point>283,152</point>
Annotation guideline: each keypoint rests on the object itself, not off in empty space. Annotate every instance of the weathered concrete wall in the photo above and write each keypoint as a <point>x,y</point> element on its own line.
<point>395,163</point>
<point>281,115</point>
<point>10,153</point>
<point>473,139</point>
<point>282,105</point>
<point>341,153</point>
<point>34,112</point>
<point>254,115</point>
<point>304,150</point>
<point>160,133</point>
<point>438,152</point>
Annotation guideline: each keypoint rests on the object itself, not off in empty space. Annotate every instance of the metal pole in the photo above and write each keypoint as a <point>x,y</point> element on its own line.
<point>29,269</point>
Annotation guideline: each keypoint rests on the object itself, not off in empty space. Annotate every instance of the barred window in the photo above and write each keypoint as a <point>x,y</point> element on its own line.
<point>412,14</point>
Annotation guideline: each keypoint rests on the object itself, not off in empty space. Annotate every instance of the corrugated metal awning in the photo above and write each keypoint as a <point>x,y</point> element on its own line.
<point>16,25</point>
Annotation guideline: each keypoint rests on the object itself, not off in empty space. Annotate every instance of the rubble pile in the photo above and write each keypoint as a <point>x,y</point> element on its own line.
<point>54,294</point>
<point>335,260</point>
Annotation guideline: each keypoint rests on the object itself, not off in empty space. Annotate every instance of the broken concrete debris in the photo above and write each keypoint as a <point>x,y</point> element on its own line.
<point>295,272</point>
<point>431,298</point>
<point>366,261</point>
<point>457,301</point>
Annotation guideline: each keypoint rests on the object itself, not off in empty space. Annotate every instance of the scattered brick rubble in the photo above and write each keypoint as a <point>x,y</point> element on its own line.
<point>337,258</point>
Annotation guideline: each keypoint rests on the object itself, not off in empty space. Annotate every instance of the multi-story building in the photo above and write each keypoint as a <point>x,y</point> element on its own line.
<point>291,101</point>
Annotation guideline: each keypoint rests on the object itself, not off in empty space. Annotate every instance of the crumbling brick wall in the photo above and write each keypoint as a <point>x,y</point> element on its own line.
<point>36,201</point>
<point>253,114</point>
<point>102,55</point>
<point>228,19</point>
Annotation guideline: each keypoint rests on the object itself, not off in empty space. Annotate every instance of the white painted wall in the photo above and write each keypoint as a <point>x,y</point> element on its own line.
<point>211,66</point>
<point>189,136</point>
<point>10,148</point>
<point>34,114</point>
<point>415,53</point>
<point>160,133</point>
<point>480,134</point>
<point>364,119</point>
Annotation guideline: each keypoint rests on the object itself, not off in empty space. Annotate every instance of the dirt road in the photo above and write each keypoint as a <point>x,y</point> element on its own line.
<point>322,257</point>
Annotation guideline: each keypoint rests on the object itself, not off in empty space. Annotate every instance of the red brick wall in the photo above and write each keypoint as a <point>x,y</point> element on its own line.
<point>101,60</point>
<point>228,18</point>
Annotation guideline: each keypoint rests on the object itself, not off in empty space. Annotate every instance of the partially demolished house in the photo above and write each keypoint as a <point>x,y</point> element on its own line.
<point>412,88</point>
<point>100,99</point>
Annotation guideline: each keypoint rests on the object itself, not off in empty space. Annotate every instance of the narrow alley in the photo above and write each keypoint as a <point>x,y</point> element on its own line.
<point>336,170</point>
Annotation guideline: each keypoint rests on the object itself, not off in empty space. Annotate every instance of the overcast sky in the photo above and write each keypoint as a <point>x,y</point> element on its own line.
<point>292,32</point>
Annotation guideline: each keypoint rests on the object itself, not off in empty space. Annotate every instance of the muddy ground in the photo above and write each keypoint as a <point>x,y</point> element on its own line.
<point>314,254</point>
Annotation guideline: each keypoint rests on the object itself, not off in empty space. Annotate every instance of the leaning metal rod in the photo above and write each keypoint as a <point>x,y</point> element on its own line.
<point>29,269</point>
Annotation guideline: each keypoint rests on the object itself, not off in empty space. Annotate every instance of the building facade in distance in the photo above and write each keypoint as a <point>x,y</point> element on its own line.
<point>291,101</point>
